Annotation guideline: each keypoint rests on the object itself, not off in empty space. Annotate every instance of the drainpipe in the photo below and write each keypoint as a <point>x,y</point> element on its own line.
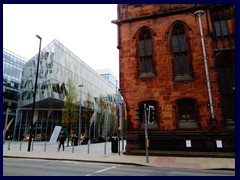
<point>198,14</point>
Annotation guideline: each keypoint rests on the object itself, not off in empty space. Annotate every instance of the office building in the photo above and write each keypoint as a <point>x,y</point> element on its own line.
<point>57,65</point>
<point>12,73</point>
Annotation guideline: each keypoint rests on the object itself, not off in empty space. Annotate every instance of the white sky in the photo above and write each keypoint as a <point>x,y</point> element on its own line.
<point>85,29</point>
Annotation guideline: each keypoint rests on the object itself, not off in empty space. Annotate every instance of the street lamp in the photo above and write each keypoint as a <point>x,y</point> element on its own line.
<point>79,120</point>
<point>34,96</point>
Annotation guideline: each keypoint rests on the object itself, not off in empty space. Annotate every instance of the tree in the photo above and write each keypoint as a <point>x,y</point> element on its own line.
<point>88,112</point>
<point>102,108</point>
<point>107,112</point>
<point>113,123</point>
<point>70,108</point>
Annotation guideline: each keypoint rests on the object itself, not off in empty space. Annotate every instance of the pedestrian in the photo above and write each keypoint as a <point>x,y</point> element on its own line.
<point>61,141</point>
<point>10,135</point>
<point>73,139</point>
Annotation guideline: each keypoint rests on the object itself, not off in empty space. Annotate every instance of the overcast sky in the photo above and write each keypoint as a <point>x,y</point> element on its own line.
<point>85,29</point>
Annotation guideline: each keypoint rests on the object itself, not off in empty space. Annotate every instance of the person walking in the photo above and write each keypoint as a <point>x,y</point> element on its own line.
<point>61,141</point>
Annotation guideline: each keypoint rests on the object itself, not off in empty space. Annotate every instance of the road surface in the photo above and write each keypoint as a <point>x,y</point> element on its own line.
<point>34,167</point>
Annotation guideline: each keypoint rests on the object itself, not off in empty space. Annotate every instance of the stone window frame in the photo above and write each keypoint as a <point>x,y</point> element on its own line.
<point>187,114</point>
<point>220,17</point>
<point>151,73</point>
<point>225,62</point>
<point>169,34</point>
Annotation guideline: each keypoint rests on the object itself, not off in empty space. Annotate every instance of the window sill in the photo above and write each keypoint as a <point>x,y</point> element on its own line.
<point>190,124</point>
<point>150,126</point>
<point>183,78</point>
<point>147,75</point>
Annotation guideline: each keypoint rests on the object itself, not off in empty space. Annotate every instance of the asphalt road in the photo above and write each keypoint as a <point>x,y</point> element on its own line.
<point>33,167</point>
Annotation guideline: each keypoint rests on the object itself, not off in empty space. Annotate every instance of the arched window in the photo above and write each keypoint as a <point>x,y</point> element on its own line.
<point>187,113</point>
<point>145,53</point>
<point>226,77</point>
<point>181,52</point>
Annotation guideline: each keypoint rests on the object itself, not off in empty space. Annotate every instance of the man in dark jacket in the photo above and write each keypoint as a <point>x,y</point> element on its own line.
<point>61,141</point>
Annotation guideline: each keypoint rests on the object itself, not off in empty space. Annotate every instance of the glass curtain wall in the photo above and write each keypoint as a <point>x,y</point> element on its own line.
<point>57,65</point>
<point>12,71</point>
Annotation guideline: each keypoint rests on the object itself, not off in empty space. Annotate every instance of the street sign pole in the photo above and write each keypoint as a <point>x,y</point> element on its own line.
<point>146,133</point>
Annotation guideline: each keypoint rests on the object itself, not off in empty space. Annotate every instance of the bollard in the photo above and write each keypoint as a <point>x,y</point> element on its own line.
<point>88,146</point>
<point>9,141</point>
<point>122,144</point>
<point>72,147</point>
<point>32,144</point>
<point>45,146</point>
<point>118,145</point>
<point>20,148</point>
<point>105,147</point>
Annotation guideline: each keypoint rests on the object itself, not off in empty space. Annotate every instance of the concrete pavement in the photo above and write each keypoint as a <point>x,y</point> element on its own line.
<point>101,152</point>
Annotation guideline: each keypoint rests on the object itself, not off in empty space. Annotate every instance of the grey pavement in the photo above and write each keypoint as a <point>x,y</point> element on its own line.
<point>98,153</point>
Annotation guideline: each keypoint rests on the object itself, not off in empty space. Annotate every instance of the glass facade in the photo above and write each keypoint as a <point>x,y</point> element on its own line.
<point>57,65</point>
<point>108,75</point>
<point>12,72</point>
<point>111,77</point>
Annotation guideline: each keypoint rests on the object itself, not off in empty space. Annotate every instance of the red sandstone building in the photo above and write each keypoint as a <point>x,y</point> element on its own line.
<point>180,59</point>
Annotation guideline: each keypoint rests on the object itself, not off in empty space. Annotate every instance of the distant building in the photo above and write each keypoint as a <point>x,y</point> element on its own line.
<point>163,65</point>
<point>12,73</point>
<point>57,66</point>
<point>111,77</point>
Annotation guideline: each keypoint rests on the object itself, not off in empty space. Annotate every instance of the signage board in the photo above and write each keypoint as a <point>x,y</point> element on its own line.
<point>188,143</point>
<point>219,143</point>
<point>55,134</point>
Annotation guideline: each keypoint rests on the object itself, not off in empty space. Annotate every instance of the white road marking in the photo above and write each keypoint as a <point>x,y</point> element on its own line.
<point>105,169</point>
<point>102,170</point>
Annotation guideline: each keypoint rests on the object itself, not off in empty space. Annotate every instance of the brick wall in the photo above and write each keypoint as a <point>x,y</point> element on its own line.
<point>162,87</point>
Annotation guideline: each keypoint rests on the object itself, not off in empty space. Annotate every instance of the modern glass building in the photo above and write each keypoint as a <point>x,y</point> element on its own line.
<point>12,72</point>
<point>111,77</point>
<point>57,66</point>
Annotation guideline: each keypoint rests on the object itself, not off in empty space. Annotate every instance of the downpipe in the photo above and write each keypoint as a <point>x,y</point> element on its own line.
<point>198,14</point>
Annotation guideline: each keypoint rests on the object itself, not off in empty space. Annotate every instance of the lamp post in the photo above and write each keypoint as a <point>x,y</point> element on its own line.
<point>79,120</point>
<point>34,96</point>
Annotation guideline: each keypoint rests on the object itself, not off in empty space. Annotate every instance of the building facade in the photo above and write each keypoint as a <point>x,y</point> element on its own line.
<point>57,66</point>
<point>180,60</point>
<point>111,77</point>
<point>12,72</point>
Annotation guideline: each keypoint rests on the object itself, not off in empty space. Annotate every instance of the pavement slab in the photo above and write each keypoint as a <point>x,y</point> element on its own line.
<point>101,152</point>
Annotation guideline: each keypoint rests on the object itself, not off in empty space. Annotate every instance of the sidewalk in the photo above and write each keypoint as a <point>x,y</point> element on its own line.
<point>98,153</point>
